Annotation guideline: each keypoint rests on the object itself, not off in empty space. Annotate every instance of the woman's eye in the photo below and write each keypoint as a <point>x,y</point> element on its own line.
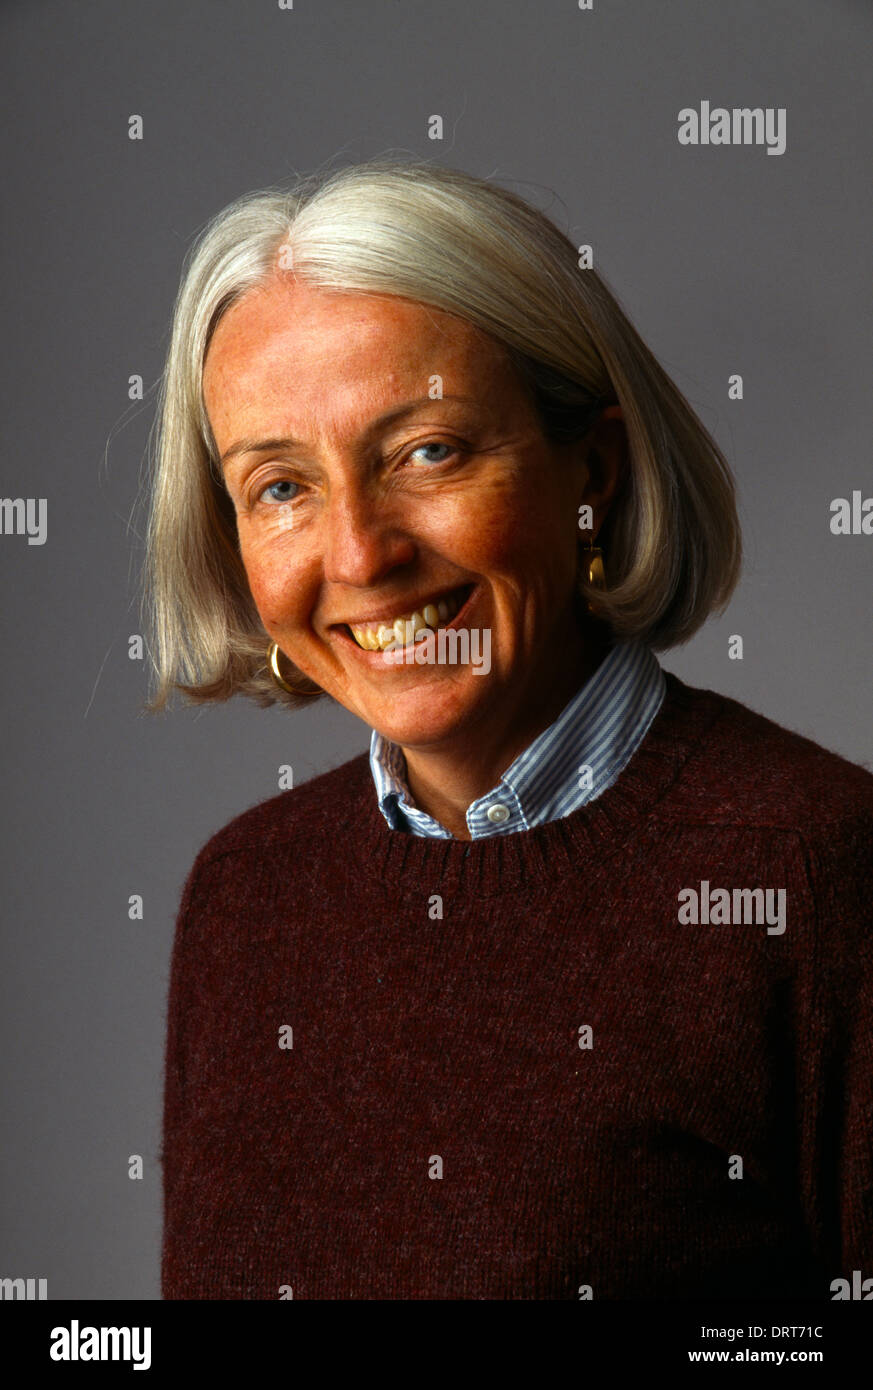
<point>433,444</point>
<point>273,492</point>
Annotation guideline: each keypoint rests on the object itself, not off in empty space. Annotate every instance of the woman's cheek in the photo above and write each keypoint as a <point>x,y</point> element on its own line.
<point>272,563</point>
<point>472,531</point>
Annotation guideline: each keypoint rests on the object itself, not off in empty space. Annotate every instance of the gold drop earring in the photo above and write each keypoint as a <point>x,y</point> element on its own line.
<point>592,560</point>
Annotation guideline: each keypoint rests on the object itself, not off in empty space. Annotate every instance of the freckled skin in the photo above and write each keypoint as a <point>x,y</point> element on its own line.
<point>374,521</point>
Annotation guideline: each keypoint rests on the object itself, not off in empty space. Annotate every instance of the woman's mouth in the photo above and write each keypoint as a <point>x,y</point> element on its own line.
<point>405,628</point>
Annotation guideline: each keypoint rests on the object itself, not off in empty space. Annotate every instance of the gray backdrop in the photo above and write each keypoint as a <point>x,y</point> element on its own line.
<point>726,258</point>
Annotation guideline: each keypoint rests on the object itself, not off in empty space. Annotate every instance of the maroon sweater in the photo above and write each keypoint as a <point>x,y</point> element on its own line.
<point>546,1079</point>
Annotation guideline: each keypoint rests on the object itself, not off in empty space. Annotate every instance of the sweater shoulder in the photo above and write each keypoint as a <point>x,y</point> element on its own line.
<point>324,803</point>
<point>750,770</point>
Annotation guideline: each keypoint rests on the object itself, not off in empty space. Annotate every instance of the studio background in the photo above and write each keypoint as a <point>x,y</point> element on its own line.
<point>727,259</point>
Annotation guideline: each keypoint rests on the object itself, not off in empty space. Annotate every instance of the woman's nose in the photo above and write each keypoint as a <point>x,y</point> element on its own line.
<point>363,539</point>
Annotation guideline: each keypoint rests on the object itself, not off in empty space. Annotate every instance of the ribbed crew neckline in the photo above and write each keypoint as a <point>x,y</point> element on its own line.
<point>591,834</point>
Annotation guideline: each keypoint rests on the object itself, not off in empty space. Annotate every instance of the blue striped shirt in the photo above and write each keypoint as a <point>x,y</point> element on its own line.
<point>571,762</point>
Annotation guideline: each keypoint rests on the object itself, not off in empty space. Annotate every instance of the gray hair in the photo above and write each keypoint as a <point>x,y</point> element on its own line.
<point>462,244</point>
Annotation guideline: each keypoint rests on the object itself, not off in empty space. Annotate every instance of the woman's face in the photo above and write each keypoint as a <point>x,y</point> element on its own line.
<point>361,499</point>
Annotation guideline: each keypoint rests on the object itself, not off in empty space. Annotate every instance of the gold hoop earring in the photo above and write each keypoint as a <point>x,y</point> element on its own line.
<point>273,662</point>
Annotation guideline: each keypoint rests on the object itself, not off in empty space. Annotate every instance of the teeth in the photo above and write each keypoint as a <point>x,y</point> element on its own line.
<point>409,627</point>
<point>366,639</point>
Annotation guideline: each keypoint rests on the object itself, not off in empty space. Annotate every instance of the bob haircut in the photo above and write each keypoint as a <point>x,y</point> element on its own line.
<point>445,238</point>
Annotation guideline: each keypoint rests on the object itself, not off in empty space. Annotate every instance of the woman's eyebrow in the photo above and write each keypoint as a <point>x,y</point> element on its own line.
<point>250,445</point>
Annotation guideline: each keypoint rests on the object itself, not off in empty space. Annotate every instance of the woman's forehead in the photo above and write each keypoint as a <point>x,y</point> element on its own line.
<point>293,308</point>
<point>295,338</point>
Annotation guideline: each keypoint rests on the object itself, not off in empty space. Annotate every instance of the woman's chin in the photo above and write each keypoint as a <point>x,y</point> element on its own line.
<point>427,715</point>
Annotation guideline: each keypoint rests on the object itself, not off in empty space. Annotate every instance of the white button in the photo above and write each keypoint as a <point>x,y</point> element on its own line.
<point>499,813</point>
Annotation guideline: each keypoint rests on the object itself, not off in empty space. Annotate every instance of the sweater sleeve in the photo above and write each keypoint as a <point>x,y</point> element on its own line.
<point>835,1065</point>
<point>175,1096</point>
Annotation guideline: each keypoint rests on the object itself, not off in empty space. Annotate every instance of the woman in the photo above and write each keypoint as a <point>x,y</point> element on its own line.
<point>565,992</point>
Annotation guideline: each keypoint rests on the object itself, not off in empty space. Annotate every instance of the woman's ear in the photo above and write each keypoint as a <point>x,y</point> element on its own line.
<point>606,460</point>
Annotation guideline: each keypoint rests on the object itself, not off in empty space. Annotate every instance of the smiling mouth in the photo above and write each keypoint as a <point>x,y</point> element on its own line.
<point>411,627</point>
